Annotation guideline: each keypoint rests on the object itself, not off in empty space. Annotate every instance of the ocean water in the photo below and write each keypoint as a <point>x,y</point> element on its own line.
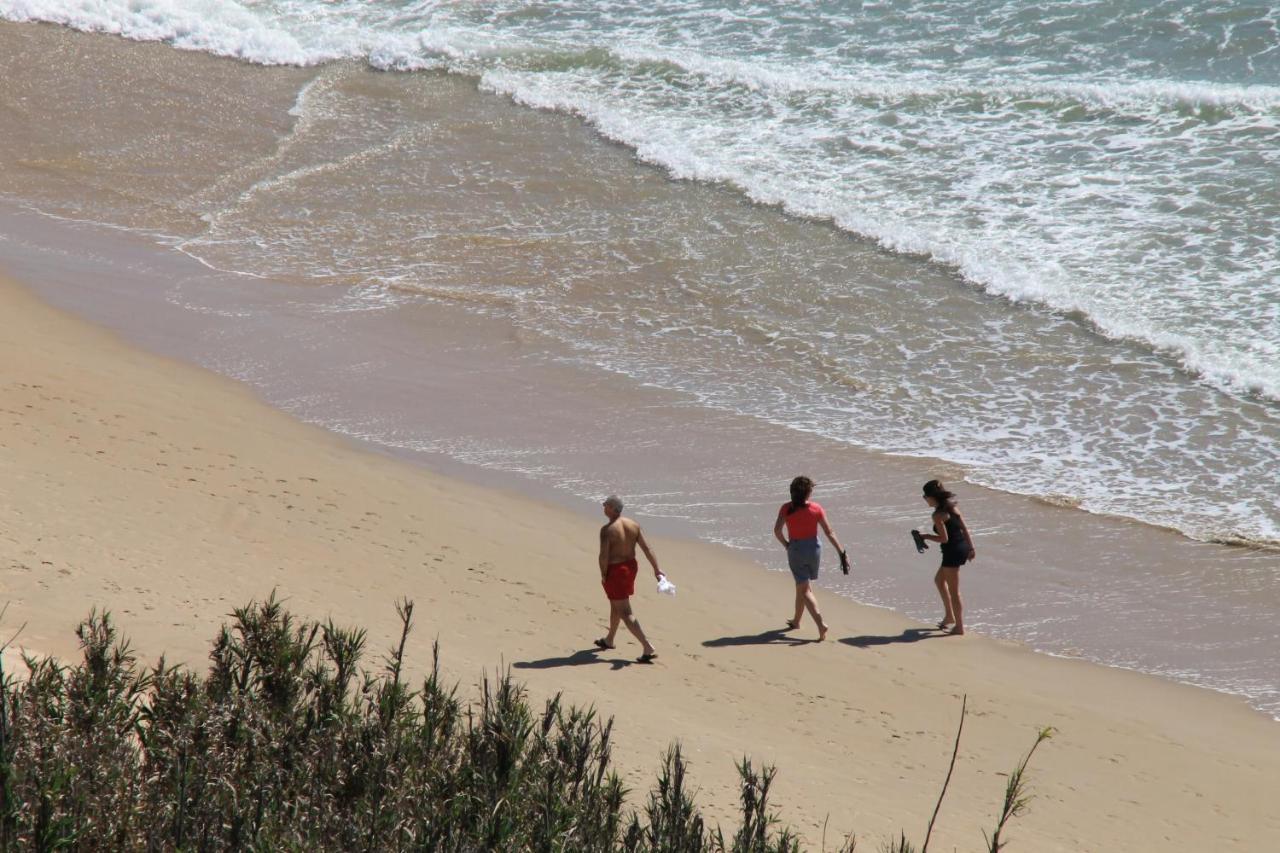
<point>1095,184</point>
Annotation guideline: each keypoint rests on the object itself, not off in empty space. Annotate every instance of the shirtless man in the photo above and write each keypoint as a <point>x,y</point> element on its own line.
<point>618,541</point>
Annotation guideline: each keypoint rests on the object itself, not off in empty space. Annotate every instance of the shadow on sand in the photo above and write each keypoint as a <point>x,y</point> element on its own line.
<point>911,635</point>
<point>578,658</point>
<point>765,638</point>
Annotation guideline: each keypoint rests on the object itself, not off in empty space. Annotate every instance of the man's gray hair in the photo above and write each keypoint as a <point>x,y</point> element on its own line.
<point>614,503</point>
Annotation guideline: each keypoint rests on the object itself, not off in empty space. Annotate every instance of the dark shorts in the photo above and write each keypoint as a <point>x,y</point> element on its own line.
<point>954,558</point>
<point>620,580</point>
<point>803,558</point>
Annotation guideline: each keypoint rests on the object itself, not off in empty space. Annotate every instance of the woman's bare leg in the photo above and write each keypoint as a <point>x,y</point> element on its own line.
<point>806,598</point>
<point>940,581</point>
<point>801,589</point>
<point>956,607</point>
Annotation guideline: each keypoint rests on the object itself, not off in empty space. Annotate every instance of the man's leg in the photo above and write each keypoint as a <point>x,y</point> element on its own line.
<point>615,616</point>
<point>633,625</point>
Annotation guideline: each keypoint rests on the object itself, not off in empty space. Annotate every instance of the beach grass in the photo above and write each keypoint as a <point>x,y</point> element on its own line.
<point>287,743</point>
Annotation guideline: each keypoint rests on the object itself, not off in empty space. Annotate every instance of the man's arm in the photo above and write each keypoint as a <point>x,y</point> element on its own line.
<point>648,552</point>
<point>604,551</point>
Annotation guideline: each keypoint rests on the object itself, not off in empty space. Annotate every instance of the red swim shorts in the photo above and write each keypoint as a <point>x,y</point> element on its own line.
<point>620,580</point>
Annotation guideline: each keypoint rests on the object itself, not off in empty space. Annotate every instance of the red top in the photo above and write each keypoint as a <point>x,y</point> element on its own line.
<point>803,523</point>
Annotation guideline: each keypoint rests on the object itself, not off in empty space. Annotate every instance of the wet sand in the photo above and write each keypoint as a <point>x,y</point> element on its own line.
<point>473,397</point>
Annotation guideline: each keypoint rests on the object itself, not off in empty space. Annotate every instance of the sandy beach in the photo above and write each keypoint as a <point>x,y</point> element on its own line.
<point>169,495</point>
<point>356,335</point>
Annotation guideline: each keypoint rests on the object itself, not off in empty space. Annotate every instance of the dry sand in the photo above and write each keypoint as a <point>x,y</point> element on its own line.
<point>168,495</point>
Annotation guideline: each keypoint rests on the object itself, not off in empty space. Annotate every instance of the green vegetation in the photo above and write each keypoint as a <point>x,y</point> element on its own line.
<point>288,744</point>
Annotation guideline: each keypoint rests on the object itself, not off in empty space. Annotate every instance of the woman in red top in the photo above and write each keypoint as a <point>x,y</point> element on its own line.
<point>802,518</point>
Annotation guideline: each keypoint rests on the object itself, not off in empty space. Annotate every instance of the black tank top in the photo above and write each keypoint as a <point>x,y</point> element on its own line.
<point>957,542</point>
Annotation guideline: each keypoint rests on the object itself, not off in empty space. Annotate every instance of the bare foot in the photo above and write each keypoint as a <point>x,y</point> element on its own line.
<point>944,623</point>
<point>793,624</point>
<point>822,631</point>
<point>956,631</point>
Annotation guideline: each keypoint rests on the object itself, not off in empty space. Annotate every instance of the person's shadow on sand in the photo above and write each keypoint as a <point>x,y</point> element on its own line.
<point>911,635</point>
<point>777,636</point>
<point>578,658</point>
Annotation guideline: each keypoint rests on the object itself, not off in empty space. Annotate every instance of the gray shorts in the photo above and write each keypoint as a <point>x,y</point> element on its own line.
<point>803,557</point>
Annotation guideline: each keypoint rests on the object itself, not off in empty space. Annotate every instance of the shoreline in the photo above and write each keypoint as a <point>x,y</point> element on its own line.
<point>209,317</point>
<point>168,495</point>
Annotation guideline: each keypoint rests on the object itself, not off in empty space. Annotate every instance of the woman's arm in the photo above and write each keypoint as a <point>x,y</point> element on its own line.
<point>973,551</point>
<point>939,533</point>
<point>826,528</point>
<point>777,529</point>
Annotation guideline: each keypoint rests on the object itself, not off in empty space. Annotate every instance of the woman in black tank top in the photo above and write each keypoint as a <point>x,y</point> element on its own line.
<point>952,536</point>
